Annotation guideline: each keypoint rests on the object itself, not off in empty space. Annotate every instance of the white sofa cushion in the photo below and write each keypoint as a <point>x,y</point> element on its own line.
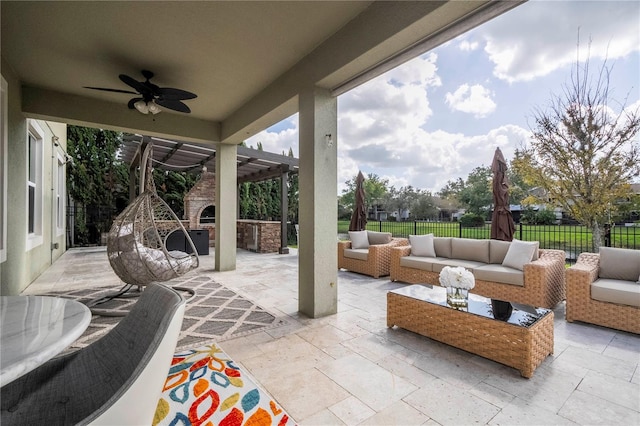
<point>616,291</point>
<point>442,246</point>
<point>499,274</point>
<point>439,264</point>
<point>360,254</point>
<point>619,264</point>
<point>498,250</point>
<point>378,237</point>
<point>519,254</point>
<point>469,249</point>
<point>359,239</point>
<point>422,245</point>
<point>417,262</point>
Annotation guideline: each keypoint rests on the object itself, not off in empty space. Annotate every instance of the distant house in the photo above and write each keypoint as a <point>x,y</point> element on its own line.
<point>563,216</point>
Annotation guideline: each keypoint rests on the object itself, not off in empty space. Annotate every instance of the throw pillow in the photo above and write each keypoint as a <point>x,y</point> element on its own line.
<point>378,237</point>
<point>422,245</point>
<point>519,254</point>
<point>359,239</point>
<point>619,264</point>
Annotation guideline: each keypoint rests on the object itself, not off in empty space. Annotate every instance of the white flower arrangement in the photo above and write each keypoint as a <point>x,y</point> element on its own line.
<point>457,277</point>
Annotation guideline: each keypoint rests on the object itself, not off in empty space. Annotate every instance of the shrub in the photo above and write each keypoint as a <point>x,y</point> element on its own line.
<point>471,220</point>
<point>545,217</point>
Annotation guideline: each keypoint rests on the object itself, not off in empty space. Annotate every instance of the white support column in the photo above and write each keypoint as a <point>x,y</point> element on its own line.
<point>318,263</point>
<point>226,205</point>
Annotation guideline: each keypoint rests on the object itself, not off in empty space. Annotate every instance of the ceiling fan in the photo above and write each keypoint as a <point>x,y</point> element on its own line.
<point>151,96</point>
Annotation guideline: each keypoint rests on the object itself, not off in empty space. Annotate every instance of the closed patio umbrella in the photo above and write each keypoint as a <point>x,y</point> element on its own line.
<point>502,227</point>
<point>359,215</point>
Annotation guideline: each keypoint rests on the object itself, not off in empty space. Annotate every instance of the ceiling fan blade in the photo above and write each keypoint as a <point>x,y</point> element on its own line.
<point>140,88</point>
<point>173,104</point>
<point>175,94</point>
<point>104,89</point>
<point>133,101</point>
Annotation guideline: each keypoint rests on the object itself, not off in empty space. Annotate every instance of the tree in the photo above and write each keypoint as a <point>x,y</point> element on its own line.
<point>96,181</point>
<point>424,207</point>
<point>474,193</point>
<point>400,200</point>
<point>375,189</point>
<point>583,154</point>
<point>172,186</point>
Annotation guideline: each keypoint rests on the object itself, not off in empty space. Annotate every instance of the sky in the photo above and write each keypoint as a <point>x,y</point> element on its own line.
<point>441,115</point>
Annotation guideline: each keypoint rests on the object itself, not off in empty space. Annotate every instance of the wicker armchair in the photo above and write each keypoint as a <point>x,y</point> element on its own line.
<point>581,307</point>
<point>378,259</point>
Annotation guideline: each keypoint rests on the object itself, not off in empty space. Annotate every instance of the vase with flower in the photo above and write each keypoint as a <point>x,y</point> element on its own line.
<point>458,281</point>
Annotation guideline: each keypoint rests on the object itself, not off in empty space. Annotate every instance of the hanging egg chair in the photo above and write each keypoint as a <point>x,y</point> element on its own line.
<point>136,243</point>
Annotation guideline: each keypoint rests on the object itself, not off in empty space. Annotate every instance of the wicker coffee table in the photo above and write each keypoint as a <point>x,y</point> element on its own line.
<point>522,341</point>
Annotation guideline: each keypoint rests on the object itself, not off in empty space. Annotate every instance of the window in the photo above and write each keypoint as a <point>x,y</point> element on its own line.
<point>35,136</point>
<point>59,196</point>
<point>4,148</point>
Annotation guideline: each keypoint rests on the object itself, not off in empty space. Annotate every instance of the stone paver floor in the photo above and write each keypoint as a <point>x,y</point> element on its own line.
<point>350,369</point>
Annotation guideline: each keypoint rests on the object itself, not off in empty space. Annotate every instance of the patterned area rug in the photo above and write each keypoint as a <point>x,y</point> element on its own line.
<point>205,387</point>
<point>214,314</point>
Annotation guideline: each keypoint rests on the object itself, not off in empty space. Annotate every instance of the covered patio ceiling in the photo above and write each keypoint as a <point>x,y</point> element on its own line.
<point>247,61</point>
<point>253,165</point>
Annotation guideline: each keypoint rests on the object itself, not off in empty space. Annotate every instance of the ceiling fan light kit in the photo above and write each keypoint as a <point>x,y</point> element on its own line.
<point>147,107</point>
<point>151,97</point>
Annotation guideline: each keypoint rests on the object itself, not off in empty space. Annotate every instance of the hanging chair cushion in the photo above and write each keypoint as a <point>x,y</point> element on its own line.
<point>155,262</point>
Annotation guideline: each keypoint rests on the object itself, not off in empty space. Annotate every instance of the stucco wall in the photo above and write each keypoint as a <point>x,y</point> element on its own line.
<point>25,262</point>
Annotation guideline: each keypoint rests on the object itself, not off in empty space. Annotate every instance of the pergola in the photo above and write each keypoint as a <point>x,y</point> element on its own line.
<point>253,165</point>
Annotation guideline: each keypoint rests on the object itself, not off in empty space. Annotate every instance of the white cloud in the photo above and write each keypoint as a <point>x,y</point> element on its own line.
<point>468,46</point>
<point>381,124</point>
<point>474,100</point>
<point>539,37</point>
<point>279,142</point>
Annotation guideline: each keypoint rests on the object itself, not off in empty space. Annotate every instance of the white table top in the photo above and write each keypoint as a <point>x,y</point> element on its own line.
<point>34,329</point>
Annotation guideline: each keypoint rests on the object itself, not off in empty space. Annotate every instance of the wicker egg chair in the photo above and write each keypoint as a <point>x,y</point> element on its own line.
<point>136,243</point>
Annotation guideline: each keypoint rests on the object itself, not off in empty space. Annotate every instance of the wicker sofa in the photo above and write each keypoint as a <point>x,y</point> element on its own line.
<point>372,257</point>
<point>604,289</point>
<point>538,282</point>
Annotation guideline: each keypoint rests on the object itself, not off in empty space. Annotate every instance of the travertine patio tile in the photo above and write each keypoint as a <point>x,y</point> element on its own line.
<point>351,411</point>
<point>624,346</point>
<point>586,409</point>
<point>614,390</point>
<point>582,335</point>
<point>324,336</point>
<point>372,384</point>
<point>519,412</point>
<point>548,388</point>
<point>289,354</point>
<point>452,366</point>
<point>321,418</point>
<point>398,414</point>
<point>492,395</point>
<point>372,346</point>
<point>304,393</point>
<point>448,404</point>
<point>407,371</point>
<point>578,357</point>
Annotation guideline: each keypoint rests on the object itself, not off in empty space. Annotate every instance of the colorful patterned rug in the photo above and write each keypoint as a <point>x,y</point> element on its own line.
<point>205,387</point>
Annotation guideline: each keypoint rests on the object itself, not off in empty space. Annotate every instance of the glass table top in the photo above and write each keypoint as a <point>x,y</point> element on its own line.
<point>512,313</point>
